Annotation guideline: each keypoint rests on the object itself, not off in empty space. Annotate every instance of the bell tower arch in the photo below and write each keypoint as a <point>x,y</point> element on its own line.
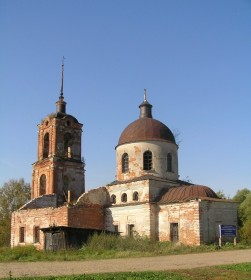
<point>59,168</point>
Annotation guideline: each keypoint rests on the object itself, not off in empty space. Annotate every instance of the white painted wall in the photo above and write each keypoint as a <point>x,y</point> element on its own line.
<point>122,216</point>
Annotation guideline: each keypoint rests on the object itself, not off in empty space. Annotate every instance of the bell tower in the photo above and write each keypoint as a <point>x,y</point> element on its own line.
<point>59,168</point>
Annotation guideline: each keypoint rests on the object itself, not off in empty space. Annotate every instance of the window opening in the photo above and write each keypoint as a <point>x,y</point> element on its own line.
<point>116,228</point>
<point>113,198</point>
<point>135,196</point>
<point>21,234</point>
<point>174,232</point>
<point>42,187</point>
<point>124,197</point>
<point>169,162</point>
<point>36,234</point>
<point>130,230</point>
<point>67,145</point>
<point>125,163</point>
<point>147,160</point>
<point>46,145</point>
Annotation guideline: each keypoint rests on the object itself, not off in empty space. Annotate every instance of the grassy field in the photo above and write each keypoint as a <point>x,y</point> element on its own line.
<point>228,272</point>
<point>107,247</point>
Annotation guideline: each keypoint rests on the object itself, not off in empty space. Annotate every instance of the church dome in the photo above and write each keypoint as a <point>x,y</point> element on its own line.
<point>146,128</point>
<point>188,192</point>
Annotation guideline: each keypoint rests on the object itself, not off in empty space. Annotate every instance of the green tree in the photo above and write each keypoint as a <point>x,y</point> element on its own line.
<point>13,195</point>
<point>241,195</point>
<point>244,214</point>
<point>221,194</point>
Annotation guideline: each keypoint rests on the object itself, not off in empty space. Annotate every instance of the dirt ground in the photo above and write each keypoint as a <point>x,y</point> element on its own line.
<point>19,269</point>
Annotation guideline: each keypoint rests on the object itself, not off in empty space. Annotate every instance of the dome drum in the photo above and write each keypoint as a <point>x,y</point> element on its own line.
<point>164,163</point>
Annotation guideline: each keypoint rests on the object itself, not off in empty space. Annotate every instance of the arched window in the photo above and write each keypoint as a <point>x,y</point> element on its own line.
<point>42,185</point>
<point>125,165</point>
<point>124,197</point>
<point>113,198</point>
<point>135,196</point>
<point>46,145</point>
<point>147,160</point>
<point>169,162</point>
<point>67,145</point>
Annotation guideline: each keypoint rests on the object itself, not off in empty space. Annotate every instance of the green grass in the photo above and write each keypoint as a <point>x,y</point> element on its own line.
<point>107,247</point>
<point>228,272</point>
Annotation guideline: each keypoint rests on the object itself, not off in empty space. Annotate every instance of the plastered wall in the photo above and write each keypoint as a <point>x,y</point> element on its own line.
<point>135,152</point>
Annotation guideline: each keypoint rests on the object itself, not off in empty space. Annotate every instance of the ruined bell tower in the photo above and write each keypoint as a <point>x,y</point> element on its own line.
<point>59,168</point>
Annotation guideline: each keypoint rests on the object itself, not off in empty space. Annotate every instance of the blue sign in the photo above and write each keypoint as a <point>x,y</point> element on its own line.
<point>227,230</point>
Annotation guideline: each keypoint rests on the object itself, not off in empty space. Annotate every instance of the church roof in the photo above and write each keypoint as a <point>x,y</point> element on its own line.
<point>146,128</point>
<point>187,192</point>
<point>144,177</point>
<point>60,115</point>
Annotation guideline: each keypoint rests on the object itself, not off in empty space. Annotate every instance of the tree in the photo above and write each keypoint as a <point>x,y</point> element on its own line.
<point>241,195</point>
<point>221,194</point>
<point>244,214</point>
<point>13,195</point>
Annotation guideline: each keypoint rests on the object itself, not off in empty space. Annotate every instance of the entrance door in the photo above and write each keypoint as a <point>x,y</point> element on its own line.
<point>54,241</point>
<point>174,232</point>
<point>130,230</point>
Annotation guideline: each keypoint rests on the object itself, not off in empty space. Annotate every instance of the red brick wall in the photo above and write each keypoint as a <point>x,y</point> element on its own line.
<point>86,217</point>
<point>80,217</point>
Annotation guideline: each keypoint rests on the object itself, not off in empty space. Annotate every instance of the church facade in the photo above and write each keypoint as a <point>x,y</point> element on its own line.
<point>146,199</point>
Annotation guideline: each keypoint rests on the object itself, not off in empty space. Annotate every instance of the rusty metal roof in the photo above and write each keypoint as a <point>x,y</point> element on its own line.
<point>145,129</point>
<point>185,193</point>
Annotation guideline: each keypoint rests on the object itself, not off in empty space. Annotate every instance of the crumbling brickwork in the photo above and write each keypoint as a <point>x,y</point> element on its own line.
<point>59,167</point>
<point>83,216</point>
<point>198,220</point>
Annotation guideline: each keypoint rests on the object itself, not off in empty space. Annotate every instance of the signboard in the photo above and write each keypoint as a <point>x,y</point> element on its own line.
<point>227,230</point>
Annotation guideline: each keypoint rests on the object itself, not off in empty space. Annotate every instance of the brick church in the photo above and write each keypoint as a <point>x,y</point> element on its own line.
<point>147,198</point>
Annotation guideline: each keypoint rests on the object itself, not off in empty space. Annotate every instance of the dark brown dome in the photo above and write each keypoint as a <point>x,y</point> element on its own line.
<point>185,193</point>
<point>145,129</point>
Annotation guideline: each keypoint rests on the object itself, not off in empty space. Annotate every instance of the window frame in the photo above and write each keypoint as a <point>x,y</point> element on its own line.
<point>113,199</point>
<point>124,197</point>
<point>46,146</point>
<point>130,230</point>
<point>116,228</point>
<point>36,236</point>
<point>68,139</point>
<point>147,160</point>
<point>135,196</point>
<point>42,184</point>
<point>169,162</point>
<point>125,163</point>
<point>22,234</point>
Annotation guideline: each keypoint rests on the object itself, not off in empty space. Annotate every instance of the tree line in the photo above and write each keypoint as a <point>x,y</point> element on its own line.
<point>15,193</point>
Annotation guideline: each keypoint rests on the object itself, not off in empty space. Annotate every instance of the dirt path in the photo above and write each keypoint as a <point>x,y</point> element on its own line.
<point>19,269</point>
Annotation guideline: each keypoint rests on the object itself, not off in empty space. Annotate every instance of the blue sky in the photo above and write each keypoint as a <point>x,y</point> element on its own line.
<point>193,57</point>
